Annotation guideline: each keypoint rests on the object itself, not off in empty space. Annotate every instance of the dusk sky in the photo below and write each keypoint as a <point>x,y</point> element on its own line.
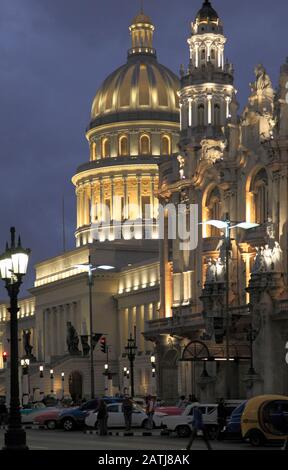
<point>54,54</point>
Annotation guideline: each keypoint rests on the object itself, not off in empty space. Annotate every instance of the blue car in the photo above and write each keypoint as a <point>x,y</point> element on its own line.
<point>233,428</point>
<point>73,418</point>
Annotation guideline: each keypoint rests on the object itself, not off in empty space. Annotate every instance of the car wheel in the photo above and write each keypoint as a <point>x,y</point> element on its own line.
<point>183,431</point>
<point>68,424</point>
<point>51,424</point>
<point>256,438</point>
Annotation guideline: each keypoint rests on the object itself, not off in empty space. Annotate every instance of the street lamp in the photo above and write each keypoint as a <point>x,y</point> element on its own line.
<point>62,380</point>
<point>52,380</point>
<point>41,382</point>
<point>131,353</point>
<point>25,378</point>
<point>13,266</point>
<point>227,226</point>
<point>89,268</point>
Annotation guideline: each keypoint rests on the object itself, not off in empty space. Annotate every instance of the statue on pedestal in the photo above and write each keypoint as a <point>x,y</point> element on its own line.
<point>26,343</point>
<point>72,339</point>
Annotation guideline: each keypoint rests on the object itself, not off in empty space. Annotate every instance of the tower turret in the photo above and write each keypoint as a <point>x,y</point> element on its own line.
<point>207,95</point>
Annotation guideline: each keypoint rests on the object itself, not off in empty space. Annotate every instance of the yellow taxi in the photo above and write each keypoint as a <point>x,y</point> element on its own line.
<point>265,419</point>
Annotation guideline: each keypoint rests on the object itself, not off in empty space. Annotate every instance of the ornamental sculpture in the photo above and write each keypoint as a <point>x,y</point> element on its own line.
<point>262,81</point>
<point>268,259</point>
<point>72,339</point>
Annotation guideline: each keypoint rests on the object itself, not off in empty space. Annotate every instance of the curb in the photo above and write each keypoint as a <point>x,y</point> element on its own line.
<point>28,426</point>
<point>127,433</point>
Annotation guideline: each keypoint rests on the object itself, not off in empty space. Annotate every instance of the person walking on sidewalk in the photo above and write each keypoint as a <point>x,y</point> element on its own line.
<point>198,429</point>
<point>127,409</point>
<point>150,410</point>
<point>102,418</point>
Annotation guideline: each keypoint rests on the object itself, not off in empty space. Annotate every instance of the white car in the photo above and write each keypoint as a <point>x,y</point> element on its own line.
<point>116,417</point>
<point>182,424</point>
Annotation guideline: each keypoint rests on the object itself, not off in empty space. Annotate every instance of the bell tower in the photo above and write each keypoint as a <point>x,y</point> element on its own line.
<point>207,95</point>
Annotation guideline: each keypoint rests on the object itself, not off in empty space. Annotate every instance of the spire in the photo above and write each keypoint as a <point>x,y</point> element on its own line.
<point>142,30</point>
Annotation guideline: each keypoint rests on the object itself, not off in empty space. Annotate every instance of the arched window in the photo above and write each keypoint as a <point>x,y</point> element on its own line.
<point>166,145</point>
<point>213,212</point>
<point>203,54</point>
<point>260,196</point>
<point>93,151</point>
<point>105,147</point>
<point>144,145</point>
<point>200,110</point>
<point>213,54</point>
<point>123,146</point>
<point>217,115</point>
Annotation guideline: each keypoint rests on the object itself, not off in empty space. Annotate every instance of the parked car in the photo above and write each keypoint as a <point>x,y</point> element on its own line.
<point>265,419</point>
<point>170,410</point>
<point>72,418</point>
<point>116,417</point>
<point>30,411</point>
<point>182,424</point>
<point>48,418</point>
<point>233,428</point>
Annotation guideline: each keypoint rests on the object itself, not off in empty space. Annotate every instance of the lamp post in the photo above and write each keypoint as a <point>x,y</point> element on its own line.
<point>128,381</point>
<point>227,226</point>
<point>25,380</point>
<point>89,269</point>
<point>62,382</point>
<point>131,353</point>
<point>41,382</point>
<point>153,365</point>
<point>124,380</point>
<point>52,381</point>
<point>13,266</point>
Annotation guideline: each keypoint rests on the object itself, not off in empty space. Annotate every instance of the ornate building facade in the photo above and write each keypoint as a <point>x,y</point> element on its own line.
<point>215,316</point>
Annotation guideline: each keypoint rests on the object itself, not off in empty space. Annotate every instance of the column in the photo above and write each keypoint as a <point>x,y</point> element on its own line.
<point>142,329</point>
<point>146,319</point>
<point>190,112</point>
<point>138,328</point>
<point>126,202</point>
<point>101,212</point>
<point>121,323</point>
<point>152,181</point>
<point>209,105</point>
<point>228,101</point>
<point>66,320</point>
<point>112,208</point>
<point>78,207</point>
<point>139,196</point>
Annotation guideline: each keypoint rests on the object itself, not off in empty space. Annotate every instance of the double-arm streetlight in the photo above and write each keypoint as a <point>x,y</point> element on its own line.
<point>13,266</point>
<point>89,268</point>
<point>227,226</point>
<point>131,349</point>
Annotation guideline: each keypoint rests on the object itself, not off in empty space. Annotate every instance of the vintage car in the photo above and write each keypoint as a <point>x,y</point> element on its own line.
<point>265,419</point>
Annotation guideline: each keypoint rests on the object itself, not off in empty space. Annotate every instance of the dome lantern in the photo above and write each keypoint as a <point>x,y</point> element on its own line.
<point>142,30</point>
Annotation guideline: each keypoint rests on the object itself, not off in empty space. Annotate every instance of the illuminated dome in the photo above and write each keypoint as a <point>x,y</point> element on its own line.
<point>207,13</point>
<point>140,88</point>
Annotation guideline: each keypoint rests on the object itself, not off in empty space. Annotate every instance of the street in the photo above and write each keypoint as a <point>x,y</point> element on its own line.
<point>77,440</point>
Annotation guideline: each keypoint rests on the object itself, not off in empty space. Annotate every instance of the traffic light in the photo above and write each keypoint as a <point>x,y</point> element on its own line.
<point>103,345</point>
<point>4,357</point>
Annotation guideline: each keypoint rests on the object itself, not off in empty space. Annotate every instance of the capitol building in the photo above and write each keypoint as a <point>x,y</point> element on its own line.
<point>214,315</point>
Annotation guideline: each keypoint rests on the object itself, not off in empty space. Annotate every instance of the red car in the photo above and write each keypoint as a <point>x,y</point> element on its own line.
<point>48,418</point>
<point>170,410</point>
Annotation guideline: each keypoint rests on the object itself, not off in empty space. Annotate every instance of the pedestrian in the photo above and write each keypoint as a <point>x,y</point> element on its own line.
<point>182,403</point>
<point>102,418</point>
<point>150,410</point>
<point>127,409</point>
<point>198,429</point>
<point>3,413</point>
<point>221,415</point>
<point>192,399</point>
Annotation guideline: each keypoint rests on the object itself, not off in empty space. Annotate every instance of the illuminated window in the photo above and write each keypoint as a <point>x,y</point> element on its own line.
<point>260,196</point>
<point>166,145</point>
<point>105,147</point>
<point>144,145</point>
<point>123,146</point>
<point>200,110</point>
<point>217,115</point>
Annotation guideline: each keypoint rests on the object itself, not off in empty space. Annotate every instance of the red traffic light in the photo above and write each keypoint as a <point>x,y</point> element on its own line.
<point>103,345</point>
<point>4,356</point>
